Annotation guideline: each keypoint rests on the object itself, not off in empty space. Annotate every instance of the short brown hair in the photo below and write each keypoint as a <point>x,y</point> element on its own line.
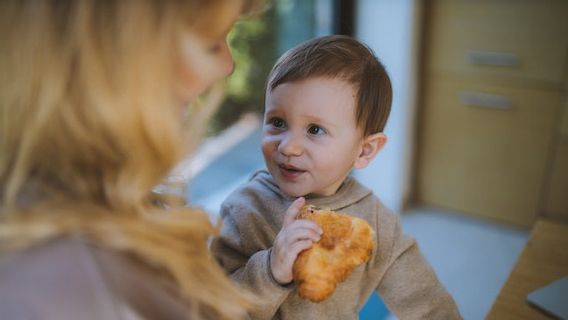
<point>347,59</point>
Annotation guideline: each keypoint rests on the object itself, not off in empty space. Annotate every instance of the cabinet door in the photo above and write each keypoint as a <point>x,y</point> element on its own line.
<point>556,206</point>
<point>512,40</point>
<point>564,124</point>
<point>556,189</point>
<point>484,147</point>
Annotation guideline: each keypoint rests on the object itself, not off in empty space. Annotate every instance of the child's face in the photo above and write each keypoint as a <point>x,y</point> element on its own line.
<point>310,139</point>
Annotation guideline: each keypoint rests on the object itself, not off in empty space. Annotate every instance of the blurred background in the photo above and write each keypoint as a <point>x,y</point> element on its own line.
<point>478,134</point>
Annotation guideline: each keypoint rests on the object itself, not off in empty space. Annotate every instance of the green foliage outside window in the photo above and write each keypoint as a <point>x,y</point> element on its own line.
<point>256,44</point>
<point>253,46</point>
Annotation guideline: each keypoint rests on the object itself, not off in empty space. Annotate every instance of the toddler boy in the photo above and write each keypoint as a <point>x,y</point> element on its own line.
<point>327,103</point>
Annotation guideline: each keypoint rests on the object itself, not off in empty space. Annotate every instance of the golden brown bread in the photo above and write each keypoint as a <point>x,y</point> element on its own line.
<point>346,243</point>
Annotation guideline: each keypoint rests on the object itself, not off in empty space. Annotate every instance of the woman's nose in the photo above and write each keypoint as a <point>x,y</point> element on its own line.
<point>228,63</point>
<point>291,145</point>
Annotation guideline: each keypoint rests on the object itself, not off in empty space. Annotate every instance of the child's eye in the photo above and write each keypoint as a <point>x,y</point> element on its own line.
<point>316,130</point>
<point>277,123</point>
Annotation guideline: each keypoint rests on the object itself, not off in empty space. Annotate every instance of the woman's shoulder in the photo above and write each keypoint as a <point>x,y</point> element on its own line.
<point>55,279</point>
<point>74,278</point>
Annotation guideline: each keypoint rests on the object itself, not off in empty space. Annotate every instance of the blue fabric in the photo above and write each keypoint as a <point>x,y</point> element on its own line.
<point>374,309</point>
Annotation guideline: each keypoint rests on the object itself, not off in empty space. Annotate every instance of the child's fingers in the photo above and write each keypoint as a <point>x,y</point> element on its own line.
<point>282,259</point>
<point>298,247</point>
<point>309,224</point>
<point>293,210</point>
<point>301,233</point>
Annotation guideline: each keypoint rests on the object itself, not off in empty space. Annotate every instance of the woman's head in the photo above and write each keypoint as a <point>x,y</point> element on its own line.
<point>92,92</point>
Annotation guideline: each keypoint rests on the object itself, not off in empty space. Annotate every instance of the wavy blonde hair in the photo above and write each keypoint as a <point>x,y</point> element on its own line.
<point>88,125</point>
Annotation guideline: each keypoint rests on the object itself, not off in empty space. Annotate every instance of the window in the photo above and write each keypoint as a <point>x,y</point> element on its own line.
<point>257,43</point>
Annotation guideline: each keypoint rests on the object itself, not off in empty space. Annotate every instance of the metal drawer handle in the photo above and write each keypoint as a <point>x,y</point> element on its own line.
<point>501,59</point>
<point>485,100</point>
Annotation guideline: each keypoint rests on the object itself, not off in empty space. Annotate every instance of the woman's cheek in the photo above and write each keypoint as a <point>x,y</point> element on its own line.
<point>193,66</point>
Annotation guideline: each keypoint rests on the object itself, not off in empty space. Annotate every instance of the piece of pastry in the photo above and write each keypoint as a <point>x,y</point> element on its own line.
<point>346,243</point>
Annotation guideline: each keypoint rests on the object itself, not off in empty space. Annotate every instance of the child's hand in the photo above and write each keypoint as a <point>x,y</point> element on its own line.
<point>294,237</point>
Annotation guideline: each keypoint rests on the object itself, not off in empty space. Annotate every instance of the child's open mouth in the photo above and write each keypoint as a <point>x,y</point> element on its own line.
<point>290,172</point>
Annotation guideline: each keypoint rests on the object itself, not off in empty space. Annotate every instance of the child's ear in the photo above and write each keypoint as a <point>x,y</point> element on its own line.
<point>369,148</point>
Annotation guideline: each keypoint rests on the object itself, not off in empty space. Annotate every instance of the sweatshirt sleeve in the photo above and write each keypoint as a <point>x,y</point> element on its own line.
<point>409,286</point>
<point>244,253</point>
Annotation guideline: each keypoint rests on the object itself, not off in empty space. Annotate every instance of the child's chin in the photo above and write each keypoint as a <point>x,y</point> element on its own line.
<point>293,192</point>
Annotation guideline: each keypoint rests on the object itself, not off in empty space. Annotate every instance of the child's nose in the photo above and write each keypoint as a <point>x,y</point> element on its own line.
<point>290,145</point>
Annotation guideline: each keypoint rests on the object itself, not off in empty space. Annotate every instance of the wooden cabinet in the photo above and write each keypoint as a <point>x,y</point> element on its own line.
<point>556,205</point>
<point>493,89</point>
<point>514,40</point>
<point>556,187</point>
<point>482,160</point>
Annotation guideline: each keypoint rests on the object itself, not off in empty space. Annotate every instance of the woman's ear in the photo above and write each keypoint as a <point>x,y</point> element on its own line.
<point>370,146</point>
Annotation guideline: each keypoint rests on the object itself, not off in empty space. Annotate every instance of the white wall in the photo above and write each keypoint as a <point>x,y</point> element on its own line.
<point>391,29</point>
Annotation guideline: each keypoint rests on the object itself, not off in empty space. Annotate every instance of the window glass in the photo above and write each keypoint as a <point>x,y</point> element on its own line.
<point>257,43</point>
